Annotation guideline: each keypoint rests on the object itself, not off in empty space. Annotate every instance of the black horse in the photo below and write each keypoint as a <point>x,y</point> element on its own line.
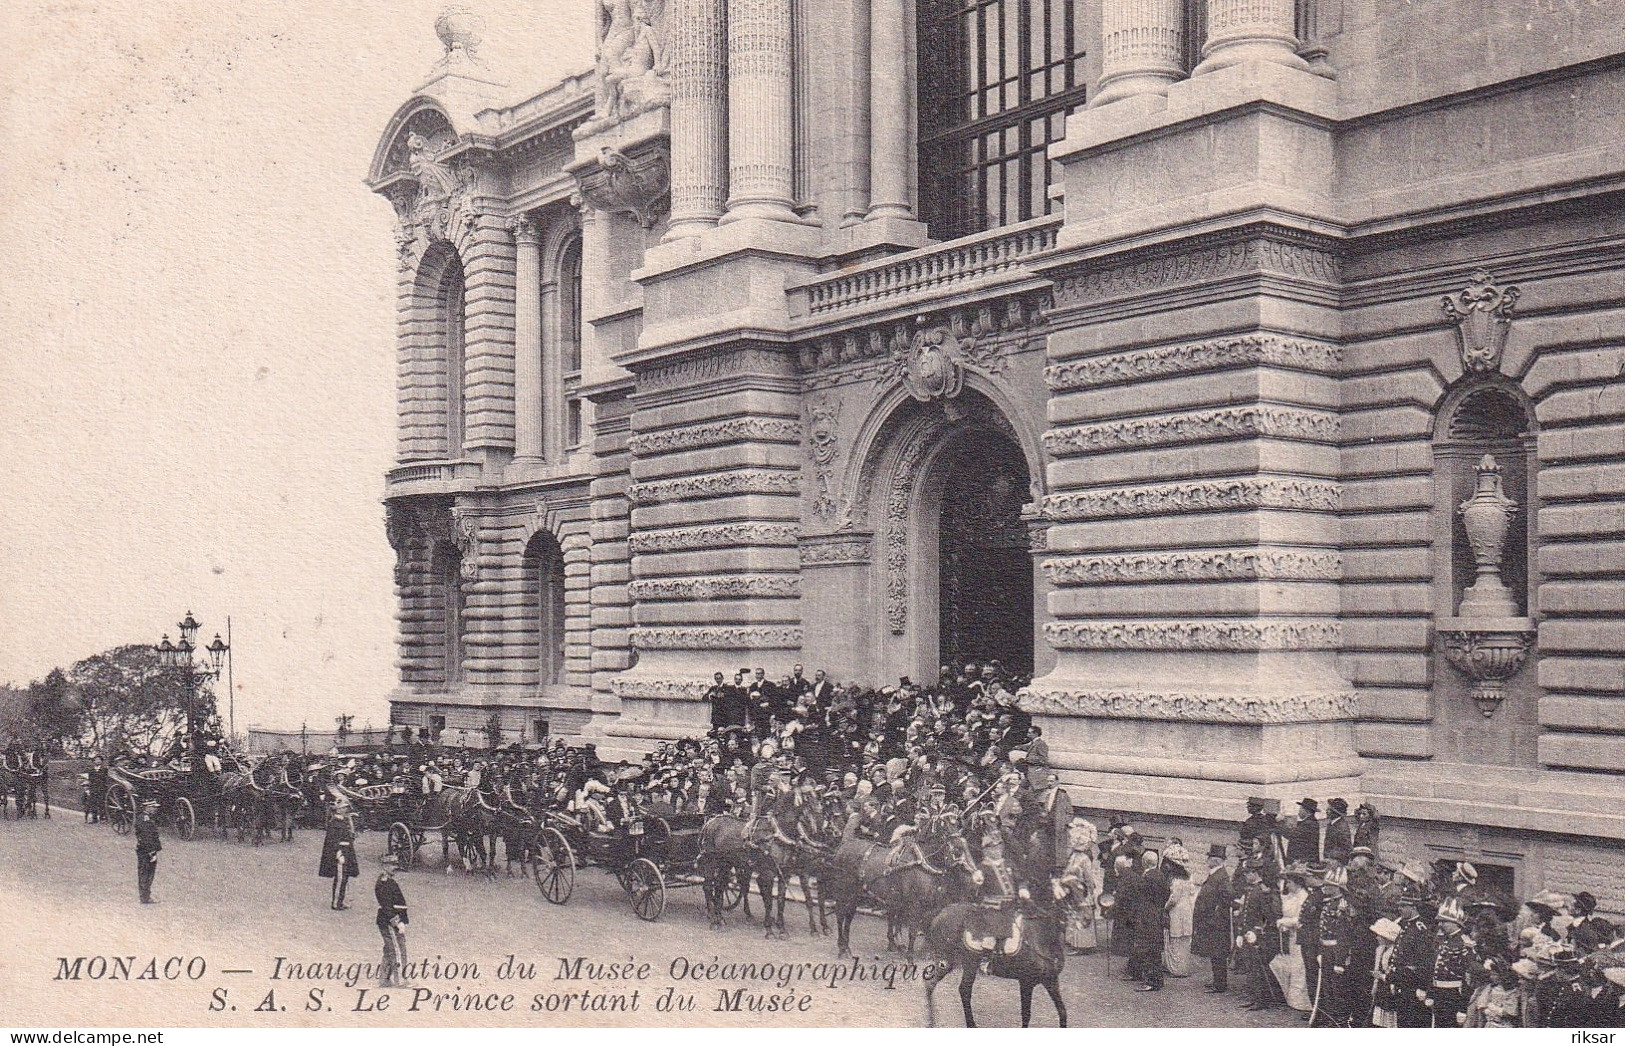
<point>1038,958</point>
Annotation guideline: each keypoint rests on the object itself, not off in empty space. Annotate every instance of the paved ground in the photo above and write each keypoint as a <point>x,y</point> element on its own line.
<point>239,908</point>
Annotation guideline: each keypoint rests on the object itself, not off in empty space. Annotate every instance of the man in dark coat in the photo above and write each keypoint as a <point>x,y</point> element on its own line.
<point>147,845</point>
<point>728,706</point>
<point>1303,838</point>
<point>763,699</point>
<point>1150,900</point>
<point>1258,938</point>
<point>339,861</point>
<point>392,920</point>
<point>1339,843</point>
<point>1211,936</point>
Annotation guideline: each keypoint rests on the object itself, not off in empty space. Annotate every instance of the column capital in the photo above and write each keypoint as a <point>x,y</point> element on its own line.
<point>524,230</point>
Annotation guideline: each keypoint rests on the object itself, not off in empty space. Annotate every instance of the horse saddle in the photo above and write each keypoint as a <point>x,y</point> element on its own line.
<point>993,930</point>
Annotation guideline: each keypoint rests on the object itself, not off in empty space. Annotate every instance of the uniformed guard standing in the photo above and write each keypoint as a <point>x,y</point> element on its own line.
<point>392,920</point>
<point>147,845</point>
<point>1447,997</point>
<point>339,862</point>
<point>1338,923</point>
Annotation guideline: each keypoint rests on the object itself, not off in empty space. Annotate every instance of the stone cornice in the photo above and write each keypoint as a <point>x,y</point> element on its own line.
<point>1196,426</point>
<point>715,485</point>
<point>1196,565</point>
<point>720,586</point>
<point>1192,706</point>
<point>714,536</point>
<point>1247,350</point>
<point>716,433</point>
<point>1232,635</point>
<point>718,637</point>
<point>1253,250</point>
<point>1216,495</point>
<point>711,366</point>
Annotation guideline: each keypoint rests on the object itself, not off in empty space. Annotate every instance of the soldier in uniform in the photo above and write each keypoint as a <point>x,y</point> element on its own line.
<point>1338,924</point>
<point>147,845</point>
<point>392,920</point>
<point>1453,953</point>
<point>339,861</point>
<point>1258,938</point>
<point>1410,970</point>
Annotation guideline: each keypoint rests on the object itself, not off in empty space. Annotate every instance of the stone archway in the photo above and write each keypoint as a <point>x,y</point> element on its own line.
<point>945,489</point>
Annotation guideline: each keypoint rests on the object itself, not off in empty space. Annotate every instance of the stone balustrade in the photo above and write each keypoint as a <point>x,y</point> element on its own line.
<point>1001,254</point>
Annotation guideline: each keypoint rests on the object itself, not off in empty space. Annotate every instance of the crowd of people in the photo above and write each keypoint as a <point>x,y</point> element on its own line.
<point>1309,913</point>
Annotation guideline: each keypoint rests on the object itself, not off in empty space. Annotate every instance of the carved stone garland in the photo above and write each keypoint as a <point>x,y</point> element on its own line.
<point>823,443</point>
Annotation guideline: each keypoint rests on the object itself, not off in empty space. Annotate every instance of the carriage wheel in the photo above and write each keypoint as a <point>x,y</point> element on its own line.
<point>648,889</point>
<point>120,805</point>
<point>555,867</point>
<point>185,818</point>
<point>401,845</point>
<point>732,892</point>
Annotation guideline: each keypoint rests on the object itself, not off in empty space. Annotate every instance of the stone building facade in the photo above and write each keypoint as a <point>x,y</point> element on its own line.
<point>1248,370</point>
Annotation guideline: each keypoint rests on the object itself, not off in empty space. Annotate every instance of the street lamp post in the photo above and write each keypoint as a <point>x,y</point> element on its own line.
<point>180,657</point>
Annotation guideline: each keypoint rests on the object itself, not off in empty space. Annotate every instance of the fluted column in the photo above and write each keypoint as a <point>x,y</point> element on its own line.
<point>699,114</point>
<point>552,374</point>
<point>1250,30</point>
<point>528,408</point>
<point>1141,46</point>
<point>760,127</point>
<point>889,106</point>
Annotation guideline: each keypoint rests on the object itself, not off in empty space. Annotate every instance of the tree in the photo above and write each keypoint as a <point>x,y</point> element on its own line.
<point>127,698</point>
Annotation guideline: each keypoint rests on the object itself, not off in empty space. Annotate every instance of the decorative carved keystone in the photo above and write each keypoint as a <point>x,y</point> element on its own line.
<point>1482,313</point>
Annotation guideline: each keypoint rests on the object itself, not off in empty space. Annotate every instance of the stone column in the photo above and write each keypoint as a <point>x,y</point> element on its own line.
<point>1250,30</point>
<point>552,373</point>
<point>889,107</point>
<point>760,125</point>
<point>1141,44</point>
<point>528,407</point>
<point>699,114</point>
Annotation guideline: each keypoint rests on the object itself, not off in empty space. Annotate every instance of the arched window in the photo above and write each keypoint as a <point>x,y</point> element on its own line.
<point>453,325</point>
<point>544,601</point>
<point>570,306</point>
<point>449,579</point>
<point>996,80</point>
<point>1494,419</point>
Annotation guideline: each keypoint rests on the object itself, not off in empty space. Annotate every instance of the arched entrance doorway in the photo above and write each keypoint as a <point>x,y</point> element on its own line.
<point>952,571</point>
<point>984,566</point>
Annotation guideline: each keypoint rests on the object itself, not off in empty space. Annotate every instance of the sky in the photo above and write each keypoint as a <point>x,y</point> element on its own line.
<point>197,328</point>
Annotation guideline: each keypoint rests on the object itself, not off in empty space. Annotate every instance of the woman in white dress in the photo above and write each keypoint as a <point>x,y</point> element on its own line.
<point>1176,955</point>
<point>1288,965</point>
<point>1082,880</point>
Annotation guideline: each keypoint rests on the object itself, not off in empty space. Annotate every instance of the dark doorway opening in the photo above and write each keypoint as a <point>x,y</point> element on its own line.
<point>985,565</point>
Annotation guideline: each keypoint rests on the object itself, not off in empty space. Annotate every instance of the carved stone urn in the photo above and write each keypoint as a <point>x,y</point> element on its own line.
<point>1487,641</point>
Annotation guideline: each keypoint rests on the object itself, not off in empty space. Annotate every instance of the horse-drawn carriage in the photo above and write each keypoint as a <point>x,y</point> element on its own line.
<point>655,850</point>
<point>179,795</point>
<point>27,785</point>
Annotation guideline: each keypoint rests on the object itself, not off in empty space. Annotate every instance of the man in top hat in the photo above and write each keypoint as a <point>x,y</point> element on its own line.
<point>1339,837</point>
<point>339,861</point>
<point>1303,838</point>
<point>147,845</point>
<point>1453,953</point>
<point>1211,932</point>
